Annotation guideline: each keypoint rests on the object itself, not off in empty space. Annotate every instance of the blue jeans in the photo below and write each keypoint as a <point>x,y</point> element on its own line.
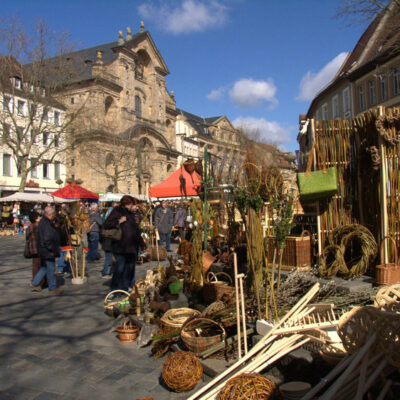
<point>93,253</point>
<point>62,265</point>
<point>165,237</point>
<point>107,263</point>
<point>47,269</point>
<point>124,271</point>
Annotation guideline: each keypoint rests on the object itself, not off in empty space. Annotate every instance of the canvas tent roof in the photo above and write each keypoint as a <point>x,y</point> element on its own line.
<point>117,197</point>
<point>74,191</point>
<point>171,186</point>
<point>33,198</point>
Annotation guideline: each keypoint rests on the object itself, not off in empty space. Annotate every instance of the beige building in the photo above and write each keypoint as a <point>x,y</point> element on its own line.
<point>125,136</point>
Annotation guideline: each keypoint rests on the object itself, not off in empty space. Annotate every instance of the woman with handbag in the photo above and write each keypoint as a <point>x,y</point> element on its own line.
<point>125,249</point>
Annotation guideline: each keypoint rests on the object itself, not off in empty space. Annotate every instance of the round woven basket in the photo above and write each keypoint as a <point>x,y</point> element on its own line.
<point>182,371</point>
<point>127,332</point>
<point>174,318</point>
<point>195,338</point>
<point>248,387</point>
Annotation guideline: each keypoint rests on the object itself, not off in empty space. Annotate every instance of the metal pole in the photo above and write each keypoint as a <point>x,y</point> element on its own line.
<point>205,195</point>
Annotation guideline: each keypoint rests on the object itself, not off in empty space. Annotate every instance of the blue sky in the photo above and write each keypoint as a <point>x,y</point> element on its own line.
<point>259,62</point>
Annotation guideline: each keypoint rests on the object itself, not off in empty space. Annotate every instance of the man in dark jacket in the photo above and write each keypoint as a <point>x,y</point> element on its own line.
<point>126,249</point>
<point>48,249</point>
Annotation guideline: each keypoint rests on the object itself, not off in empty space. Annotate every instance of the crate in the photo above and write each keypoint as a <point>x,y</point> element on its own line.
<point>297,253</point>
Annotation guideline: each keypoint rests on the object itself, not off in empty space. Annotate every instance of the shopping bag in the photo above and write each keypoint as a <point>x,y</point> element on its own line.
<point>317,185</point>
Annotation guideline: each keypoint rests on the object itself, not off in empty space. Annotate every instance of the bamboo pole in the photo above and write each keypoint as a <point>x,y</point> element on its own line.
<point>329,395</point>
<point>240,277</point>
<point>268,337</point>
<point>237,305</point>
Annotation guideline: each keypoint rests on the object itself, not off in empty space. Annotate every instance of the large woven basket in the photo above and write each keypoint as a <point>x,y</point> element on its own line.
<point>174,318</point>
<point>191,335</point>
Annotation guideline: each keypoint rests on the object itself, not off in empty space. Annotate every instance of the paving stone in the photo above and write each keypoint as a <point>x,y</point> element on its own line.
<point>62,347</point>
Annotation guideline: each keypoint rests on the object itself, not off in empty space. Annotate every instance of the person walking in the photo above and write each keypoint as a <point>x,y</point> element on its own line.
<point>180,220</point>
<point>48,249</point>
<point>31,238</point>
<point>106,244</point>
<point>126,249</point>
<point>63,265</point>
<point>94,234</point>
<point>164,221</point>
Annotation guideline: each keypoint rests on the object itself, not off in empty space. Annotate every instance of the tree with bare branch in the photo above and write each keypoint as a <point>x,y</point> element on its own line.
<point>114,157</point>
<point>34,126</point>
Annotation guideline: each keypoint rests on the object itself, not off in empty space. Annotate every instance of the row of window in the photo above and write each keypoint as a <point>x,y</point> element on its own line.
<point>21,109</point>
<point>381,95</point>
<point>45,169</point>
<point>29,86</point>
<point>45,138</point>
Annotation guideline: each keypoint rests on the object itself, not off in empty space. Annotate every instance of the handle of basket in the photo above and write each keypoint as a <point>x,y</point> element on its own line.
<point>224,274</point>
<point>210,275</point>
<point>186,324</point>
<point>394,247</point>
<point>126,321</point>
<point>115,291</point>
<point>305,231</point>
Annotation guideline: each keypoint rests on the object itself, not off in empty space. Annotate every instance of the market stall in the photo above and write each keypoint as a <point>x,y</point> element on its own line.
<point>180,183</point>
<point>75,191</point>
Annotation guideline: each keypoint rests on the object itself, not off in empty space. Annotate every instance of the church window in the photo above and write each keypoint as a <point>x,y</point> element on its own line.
<point>138,106</point>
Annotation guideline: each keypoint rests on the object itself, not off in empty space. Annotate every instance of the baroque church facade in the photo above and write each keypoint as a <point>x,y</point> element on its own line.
<point>125,135</point>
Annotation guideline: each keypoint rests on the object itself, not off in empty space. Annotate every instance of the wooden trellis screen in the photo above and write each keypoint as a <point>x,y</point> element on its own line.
<point>356,147</point>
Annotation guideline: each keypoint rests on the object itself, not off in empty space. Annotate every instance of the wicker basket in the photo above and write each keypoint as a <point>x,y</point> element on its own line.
<point>127,332</point>
<point>196,343</point>
<point>109,304</point>
<point>208,260</point>
<point>174,319</point>
<point>297,253</point>
<point>215,290</point>
<point>333,353</point>
<point>387,274</point>
<point>182,371</point>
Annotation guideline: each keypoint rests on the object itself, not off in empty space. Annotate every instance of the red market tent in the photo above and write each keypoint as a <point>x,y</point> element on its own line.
<point>171,187</point>
<point>74,191</point>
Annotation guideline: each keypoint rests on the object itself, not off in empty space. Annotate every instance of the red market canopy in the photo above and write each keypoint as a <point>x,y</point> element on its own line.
<point>171,187</point>
<point>74,191</point>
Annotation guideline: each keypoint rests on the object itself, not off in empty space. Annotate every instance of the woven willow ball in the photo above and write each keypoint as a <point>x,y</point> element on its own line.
<point>248,387</point>
<point>182,371</point>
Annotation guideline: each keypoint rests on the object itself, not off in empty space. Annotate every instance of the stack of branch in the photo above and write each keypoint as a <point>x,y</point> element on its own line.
<point>274,345</point>
<point>371,339</point>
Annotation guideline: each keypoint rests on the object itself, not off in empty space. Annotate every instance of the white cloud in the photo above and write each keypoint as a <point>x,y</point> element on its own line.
<point>271,131</point>
<point>247,93</point>
<point>189,16</point>
<point>312,83</point>
<point>216,94</point>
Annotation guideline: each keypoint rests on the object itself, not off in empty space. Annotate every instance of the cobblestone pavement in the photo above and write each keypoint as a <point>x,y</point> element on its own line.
<point>62,347</point>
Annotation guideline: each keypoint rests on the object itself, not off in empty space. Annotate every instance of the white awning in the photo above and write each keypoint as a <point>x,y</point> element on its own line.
<point>34,198</point>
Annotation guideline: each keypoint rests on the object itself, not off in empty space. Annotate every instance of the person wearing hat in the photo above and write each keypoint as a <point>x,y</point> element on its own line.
<point>164,221</point>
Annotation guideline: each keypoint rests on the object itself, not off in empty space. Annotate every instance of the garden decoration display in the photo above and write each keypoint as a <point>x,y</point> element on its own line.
<point>182,371</point>
<point>248,387</point>
<point>114,299</point>
<point>388,273</point>
<point>316,185</point>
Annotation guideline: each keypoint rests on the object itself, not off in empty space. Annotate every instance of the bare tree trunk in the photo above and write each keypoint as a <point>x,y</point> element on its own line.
<point>24,176</point>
